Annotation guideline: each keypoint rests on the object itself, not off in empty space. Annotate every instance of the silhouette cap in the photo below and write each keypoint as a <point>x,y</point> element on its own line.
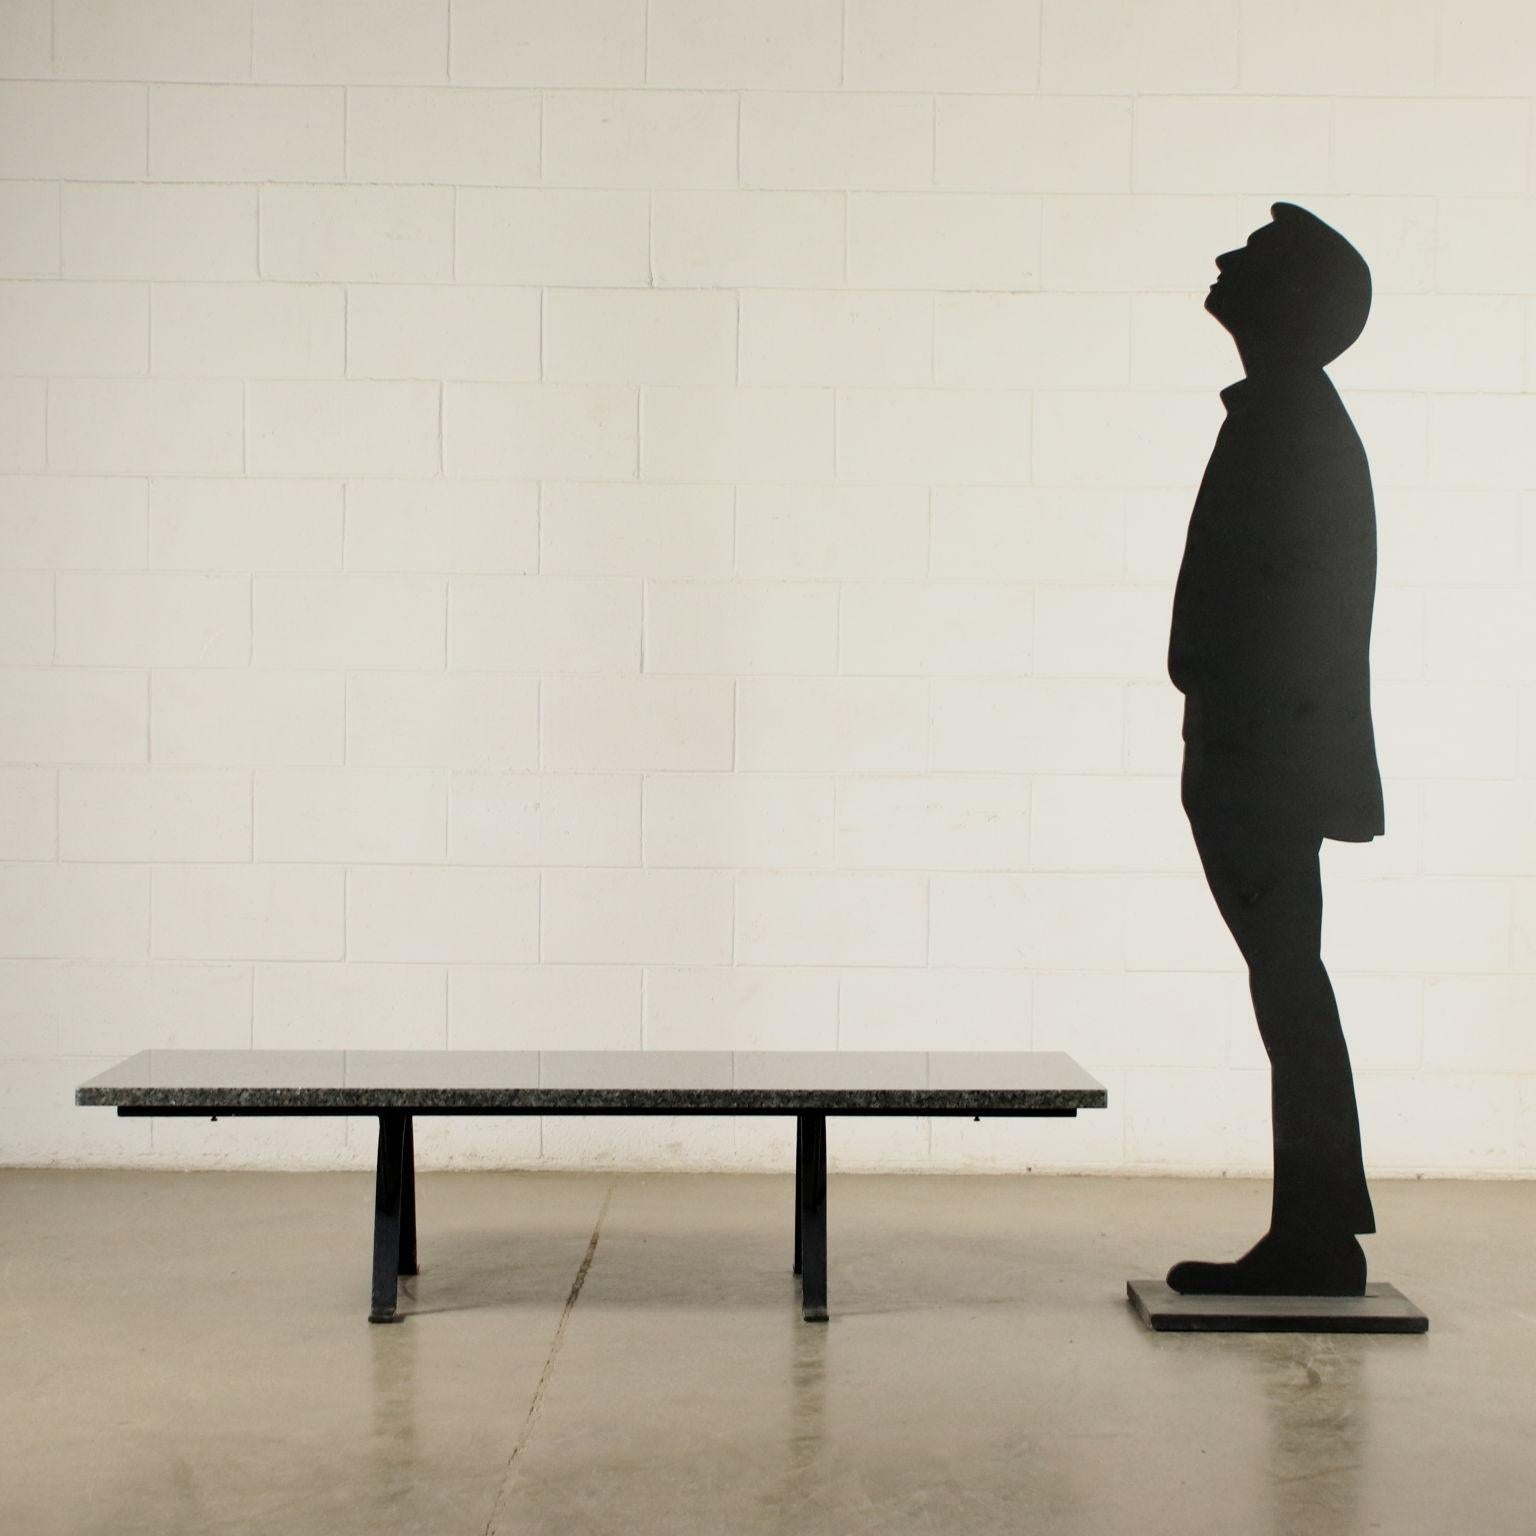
<point>1325,293</point>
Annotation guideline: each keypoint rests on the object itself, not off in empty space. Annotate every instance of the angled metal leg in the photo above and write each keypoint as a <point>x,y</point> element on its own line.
<point>799,1182</point>
<point>408,1202</point>
<point>386,1216</point>
<point>813,1219</point>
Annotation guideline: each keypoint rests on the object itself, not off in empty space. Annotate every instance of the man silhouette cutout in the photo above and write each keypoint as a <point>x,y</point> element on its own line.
<point>1269,646</point>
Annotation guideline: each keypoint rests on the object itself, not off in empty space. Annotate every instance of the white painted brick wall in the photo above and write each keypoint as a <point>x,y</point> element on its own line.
<point>169,233</point>
<point>257,133</point>
<point>651,524</point>
<point>461,137</point>
<point>709,44</point>
<point>196,40</point>
<point>247,330</point>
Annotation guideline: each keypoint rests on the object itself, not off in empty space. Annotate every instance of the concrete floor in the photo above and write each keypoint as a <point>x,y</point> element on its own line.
<point>189,1353</point>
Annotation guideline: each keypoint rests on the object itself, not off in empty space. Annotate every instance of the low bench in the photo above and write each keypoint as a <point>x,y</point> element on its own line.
<point>397,1086</point>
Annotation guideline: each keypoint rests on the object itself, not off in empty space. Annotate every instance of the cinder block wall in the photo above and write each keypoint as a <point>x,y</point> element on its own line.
<point>652,525</point>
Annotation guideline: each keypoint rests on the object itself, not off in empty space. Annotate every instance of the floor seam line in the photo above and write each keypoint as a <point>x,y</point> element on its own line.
<point>526,1432</point>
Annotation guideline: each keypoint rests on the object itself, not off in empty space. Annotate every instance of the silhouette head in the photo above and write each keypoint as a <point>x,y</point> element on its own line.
<point>1297,293</point>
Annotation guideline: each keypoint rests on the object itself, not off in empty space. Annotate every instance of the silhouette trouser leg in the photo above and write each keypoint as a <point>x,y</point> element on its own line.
<point>1265,878</point>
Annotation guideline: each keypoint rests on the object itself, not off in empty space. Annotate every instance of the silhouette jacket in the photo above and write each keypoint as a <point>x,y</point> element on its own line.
<point>1270,640</point>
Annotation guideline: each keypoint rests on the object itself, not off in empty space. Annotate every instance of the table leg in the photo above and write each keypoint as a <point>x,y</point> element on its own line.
<point>386,1216</point>
<point>408,1201</point>
<point>813,1220</point>
<point>799,1182</point>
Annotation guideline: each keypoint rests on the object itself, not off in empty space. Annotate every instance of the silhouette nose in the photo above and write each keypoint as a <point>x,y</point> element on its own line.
<point>1226,259</point>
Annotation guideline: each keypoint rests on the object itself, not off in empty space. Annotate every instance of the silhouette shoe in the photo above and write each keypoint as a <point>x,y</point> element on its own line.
<point>1308,1265</point>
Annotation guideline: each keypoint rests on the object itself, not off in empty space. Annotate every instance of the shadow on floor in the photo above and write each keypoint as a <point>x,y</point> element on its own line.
<point>727,1269</point>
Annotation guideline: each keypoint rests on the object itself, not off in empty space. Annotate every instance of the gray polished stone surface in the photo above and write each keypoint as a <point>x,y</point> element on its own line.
<point>185,1358</point>
<point>727,1082</point>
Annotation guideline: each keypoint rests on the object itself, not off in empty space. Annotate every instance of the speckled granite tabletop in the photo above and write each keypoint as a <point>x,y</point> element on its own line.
<point>600,1082</point>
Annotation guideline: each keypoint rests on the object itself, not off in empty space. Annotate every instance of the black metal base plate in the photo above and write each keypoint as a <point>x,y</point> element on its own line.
<point>1383,1309</point>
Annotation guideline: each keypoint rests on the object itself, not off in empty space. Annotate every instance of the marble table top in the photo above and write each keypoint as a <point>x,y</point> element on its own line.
<point>599,1082</point>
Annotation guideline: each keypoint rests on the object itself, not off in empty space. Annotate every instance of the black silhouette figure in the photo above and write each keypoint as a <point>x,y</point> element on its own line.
<point>1269,646</point>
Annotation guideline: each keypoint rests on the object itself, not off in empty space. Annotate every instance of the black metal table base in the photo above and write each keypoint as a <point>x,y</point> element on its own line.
<point>811,1215</point>
<point>394,1214</point>
<point>394,1190</point>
